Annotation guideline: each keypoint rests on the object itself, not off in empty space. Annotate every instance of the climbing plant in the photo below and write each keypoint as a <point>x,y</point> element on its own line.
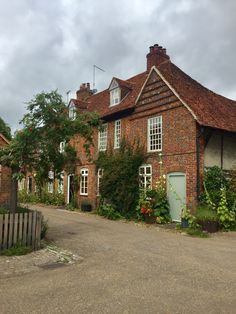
<point>120,182</point>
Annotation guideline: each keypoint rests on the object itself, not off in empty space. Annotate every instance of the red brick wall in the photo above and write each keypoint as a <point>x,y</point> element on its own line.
<point>5,180</point>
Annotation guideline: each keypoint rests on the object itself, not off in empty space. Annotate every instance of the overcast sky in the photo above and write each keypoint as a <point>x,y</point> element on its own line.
<point>47,45</point>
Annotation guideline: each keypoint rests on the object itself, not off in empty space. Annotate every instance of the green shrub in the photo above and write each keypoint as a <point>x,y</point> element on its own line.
<point>109,212</point>
<point>3,210</point>
<point>22,209</point>
<point>24,197</point>
<point>120,182</point>
<point>56,198</point>
<point>206,213</point>
<point>214,179</point>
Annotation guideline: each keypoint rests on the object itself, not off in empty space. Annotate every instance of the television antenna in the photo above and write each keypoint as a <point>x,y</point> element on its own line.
<point>94,75</point>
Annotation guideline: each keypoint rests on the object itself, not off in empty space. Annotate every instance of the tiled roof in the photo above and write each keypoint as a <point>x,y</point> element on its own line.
<point>4,138</point>
<point>79,103</point>
<point>210,109</point>
<point>100,102</point>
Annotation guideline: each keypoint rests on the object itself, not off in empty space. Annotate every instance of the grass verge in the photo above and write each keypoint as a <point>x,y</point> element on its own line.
<point>16,250</point>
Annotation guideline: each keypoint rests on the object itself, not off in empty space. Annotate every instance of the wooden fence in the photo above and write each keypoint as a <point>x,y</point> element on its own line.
<point>20,228</point>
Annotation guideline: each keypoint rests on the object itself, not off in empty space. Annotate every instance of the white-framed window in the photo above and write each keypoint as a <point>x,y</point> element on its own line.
<point>62,147</point>
<point>117,134</point>
<point>155,134</point>
<point>145,177</point>
<point>50,186</point>
<point>114,96</point>
<point>72,112</point>
<point>51,175</point>
<point>84,181</point>
<point>102,138</point>
<point>60,187</point>
<point>50,181</point>
<point>99,178</point>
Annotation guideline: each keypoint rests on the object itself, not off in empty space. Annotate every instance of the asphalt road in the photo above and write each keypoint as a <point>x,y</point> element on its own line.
<point>127,268</point>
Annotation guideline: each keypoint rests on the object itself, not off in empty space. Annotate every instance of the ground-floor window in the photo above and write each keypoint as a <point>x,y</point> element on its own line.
<point>60,188</point>
<point>84,181</point>
<point>50,181</point>
<point>145,177</point>
<point>99,179</point>
<point>50,186</point>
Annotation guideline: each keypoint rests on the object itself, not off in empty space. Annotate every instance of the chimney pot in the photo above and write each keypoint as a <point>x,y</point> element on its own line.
<point>84,92</point>
<point>156,56</point>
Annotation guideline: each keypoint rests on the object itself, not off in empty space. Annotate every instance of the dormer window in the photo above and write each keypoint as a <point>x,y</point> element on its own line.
<point>114,93</point>
<point>72,112</point>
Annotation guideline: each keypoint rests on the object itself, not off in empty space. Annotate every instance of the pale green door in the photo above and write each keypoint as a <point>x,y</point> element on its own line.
<point>176,193</point>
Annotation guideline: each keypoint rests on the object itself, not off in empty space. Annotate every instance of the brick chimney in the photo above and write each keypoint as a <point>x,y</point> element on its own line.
<point>84,92</point>
<point>156,56</point>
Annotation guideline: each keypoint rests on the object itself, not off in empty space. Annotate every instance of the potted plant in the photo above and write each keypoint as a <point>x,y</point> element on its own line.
<point>207,219</point>
<point>185,217</point>
<point>148,215</point>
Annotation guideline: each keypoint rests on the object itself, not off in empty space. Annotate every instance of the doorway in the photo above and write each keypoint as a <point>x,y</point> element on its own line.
<point>176,193</point>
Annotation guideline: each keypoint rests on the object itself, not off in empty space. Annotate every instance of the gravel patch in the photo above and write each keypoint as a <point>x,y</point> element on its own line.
<point>50,257</point>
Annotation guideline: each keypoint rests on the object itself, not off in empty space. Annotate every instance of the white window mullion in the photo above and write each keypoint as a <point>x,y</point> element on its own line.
<point>145,176</point>
<point>117,134</point>
<point>154,139</point>
<point>102,138</point>
<point>84,181</point>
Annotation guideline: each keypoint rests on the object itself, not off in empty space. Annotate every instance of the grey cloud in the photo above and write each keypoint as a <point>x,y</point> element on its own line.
<point>46,45</point>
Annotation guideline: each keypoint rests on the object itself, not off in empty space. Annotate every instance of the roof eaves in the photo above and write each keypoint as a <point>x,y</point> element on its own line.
<point>4,138</point>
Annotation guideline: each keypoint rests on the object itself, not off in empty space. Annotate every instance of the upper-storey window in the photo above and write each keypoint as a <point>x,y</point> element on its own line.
<point>102,138</point>
<point>155,134</point>
<point>114,93</point>
<point>72,112</point>
<point>117,134</point>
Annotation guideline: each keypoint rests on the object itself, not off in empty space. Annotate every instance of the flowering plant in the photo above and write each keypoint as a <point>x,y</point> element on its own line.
<point>146,210</point>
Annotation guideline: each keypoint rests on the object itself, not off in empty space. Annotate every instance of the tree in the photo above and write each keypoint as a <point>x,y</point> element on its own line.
<point>5,129</point>
<point>36,147</point>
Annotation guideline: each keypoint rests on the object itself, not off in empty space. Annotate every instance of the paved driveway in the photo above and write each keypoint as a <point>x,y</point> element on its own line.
<point>127,268</point>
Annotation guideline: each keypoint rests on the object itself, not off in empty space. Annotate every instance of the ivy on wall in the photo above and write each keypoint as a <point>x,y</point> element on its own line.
<point>120,182</point>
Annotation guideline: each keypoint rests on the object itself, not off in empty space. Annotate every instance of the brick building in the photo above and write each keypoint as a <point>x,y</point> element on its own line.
<point>172,115</point>
<point>5,177</point>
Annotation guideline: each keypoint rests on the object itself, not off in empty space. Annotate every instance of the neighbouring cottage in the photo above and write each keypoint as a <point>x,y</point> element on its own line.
<point>5,177</point>
<point>172,115</point>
